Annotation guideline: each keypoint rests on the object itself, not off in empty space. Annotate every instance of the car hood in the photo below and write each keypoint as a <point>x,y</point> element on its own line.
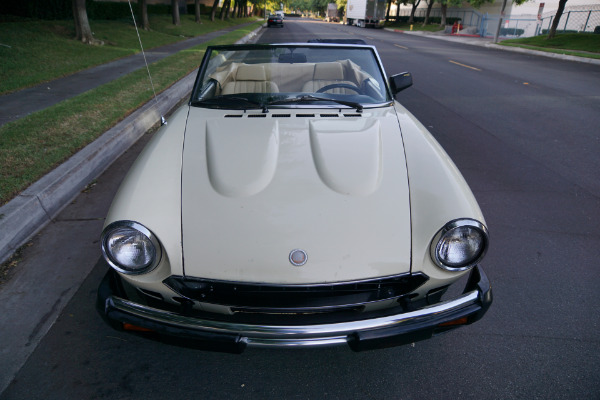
<point>257,186</point>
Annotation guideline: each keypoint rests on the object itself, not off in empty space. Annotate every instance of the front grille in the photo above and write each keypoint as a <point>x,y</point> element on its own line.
<point>297,298</point>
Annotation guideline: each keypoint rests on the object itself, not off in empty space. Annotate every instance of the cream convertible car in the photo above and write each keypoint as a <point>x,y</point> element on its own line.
<point>293,202</point>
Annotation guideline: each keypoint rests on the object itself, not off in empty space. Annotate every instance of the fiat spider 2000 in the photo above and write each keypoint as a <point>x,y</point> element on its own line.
<point>293,202</point>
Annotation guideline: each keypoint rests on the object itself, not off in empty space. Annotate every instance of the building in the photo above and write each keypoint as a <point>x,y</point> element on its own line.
<point>532,18</point>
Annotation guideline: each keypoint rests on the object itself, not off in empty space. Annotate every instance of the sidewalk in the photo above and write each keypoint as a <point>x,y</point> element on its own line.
<point>24,102</point>
<point>489,43</point>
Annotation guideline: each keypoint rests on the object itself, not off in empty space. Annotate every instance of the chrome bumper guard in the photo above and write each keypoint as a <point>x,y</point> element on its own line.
<point>360,335</point>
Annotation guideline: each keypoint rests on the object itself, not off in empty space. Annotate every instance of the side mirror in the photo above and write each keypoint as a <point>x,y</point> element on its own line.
<point>400,82</point>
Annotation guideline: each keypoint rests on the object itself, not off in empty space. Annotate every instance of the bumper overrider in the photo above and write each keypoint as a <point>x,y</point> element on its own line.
<point>363,334</point>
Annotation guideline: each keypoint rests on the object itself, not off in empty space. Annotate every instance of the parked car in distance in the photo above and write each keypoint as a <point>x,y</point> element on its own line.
<point>275,20</point>
<point>293,202</point>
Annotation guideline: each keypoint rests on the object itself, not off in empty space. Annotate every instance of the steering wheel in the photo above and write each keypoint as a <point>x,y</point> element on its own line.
<point>340,85</point>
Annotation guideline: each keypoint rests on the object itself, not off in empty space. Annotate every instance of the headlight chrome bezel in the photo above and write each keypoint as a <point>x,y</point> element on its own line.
<point>437,242</point>
<point>109,257</point>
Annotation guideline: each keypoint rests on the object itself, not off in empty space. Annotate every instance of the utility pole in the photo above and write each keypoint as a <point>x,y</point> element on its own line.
<point>500,22</point>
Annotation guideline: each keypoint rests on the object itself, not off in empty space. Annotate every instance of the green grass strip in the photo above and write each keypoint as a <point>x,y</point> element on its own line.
<point>34,51</point>
<point>574,44</point>
<point>32,146</point>
<point>556,51</point>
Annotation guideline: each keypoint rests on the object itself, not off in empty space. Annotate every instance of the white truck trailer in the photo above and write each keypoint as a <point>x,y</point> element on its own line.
<point>366,13</point>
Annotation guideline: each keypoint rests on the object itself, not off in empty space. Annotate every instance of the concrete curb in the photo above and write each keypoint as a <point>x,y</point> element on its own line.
<point>26,214</point>
<point>477,41</point>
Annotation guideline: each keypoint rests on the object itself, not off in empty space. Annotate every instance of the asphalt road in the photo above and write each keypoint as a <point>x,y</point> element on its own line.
<point>524,132</point>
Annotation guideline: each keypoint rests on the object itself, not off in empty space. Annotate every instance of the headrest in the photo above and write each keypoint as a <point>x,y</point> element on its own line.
<point>251,73</point>
<point>328,71</point>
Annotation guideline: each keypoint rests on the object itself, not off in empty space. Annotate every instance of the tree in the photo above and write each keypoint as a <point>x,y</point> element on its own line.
<point>225,10</point>
<point>214,10</point>
<point>414,4</point>
<point>175,12</point>
<point>559,12</point>
<point>457,3</point>
<point>500,21</point>
<point>319,6</point>
<point>444,10</point>
<point>429,6</point>
<point>83,32</point>
<point>144,14</point>
<point>387,13</point>
<point>196,10</point>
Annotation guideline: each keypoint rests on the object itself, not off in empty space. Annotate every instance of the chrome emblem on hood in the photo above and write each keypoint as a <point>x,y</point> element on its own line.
<point>298,257</point>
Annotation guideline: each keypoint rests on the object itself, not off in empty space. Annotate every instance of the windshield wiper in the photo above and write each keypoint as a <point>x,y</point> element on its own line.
<point>310,98</point>
<point>224,101</point>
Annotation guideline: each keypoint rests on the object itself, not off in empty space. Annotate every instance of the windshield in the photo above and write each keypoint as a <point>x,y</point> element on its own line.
<point>287,76</point>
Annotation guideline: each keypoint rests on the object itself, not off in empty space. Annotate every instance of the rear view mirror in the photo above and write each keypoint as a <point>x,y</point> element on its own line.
<point>400,82</point>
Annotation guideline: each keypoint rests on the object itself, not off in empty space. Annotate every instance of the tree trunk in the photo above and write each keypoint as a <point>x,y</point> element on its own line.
<point>235,9</point>
<point>444,10</point>
<point>222,13</point>
<point>225,10</point>
<point>83,31</point>
<point>144,14</point>
<point>214,10</point>
<point>497,35</point>
<point>175,12</point>
<point>429,6</point>
<point>412,12</point>
<point>397,10</point>
<point>559,12</point>
<point>197,11</point>
<point>387,14</point>
<point>76,19</point>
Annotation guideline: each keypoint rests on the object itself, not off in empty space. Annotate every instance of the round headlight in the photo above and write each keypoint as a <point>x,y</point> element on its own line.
<point>130,247</point>
<point>459,245</point>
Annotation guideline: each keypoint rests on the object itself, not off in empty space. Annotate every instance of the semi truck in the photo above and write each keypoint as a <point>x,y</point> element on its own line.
<point>366,13</point>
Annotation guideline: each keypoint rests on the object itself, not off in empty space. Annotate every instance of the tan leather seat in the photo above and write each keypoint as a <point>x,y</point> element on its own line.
<point>327,74</point>
<point>250,79</point>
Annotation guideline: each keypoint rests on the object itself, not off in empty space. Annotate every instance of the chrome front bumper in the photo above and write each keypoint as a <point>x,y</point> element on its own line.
<point>360,335</point>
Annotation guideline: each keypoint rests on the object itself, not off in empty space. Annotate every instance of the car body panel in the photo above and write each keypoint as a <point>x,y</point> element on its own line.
<point>151,192</point>
<point>435,184</point>
<point>276,184</point>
